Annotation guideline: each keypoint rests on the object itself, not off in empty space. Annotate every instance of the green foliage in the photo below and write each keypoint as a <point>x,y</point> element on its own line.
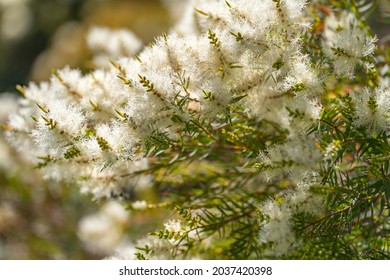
<point>72,152</point>
<point>356,179</point>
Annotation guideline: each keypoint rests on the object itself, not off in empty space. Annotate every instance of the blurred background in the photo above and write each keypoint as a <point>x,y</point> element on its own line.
<point>44,220</point>
<point>37,36</point>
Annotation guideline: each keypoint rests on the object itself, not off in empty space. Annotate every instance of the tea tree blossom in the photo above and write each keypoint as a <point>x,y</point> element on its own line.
<point>277,227</point>
<point>372,109</point>
<point>346,43</point>
<point>109,44</point>
<point>104,231</point>
<point>238,117</point>
<point>139,205</point>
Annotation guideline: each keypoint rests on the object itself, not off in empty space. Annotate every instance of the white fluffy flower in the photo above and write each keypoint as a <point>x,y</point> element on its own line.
<point>109,44</point>
<point>104,231</point>
<point>8,106</point>
<point>125,251</point>
<point>69,118</point>
<point>277,227</point>
<point>173,226</point>
<point>139,205</point>
<point>372,109</point>
<point>346,43</point>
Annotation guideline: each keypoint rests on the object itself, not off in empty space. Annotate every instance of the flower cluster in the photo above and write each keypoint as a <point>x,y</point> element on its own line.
<point>91,127</point>
<point>372,109</point>
<point>277,226</point>
<point>223,76</point>
<point>346,43</point>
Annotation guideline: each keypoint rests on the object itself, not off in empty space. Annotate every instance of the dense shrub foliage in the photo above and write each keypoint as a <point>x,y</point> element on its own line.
<point>262,126</point>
